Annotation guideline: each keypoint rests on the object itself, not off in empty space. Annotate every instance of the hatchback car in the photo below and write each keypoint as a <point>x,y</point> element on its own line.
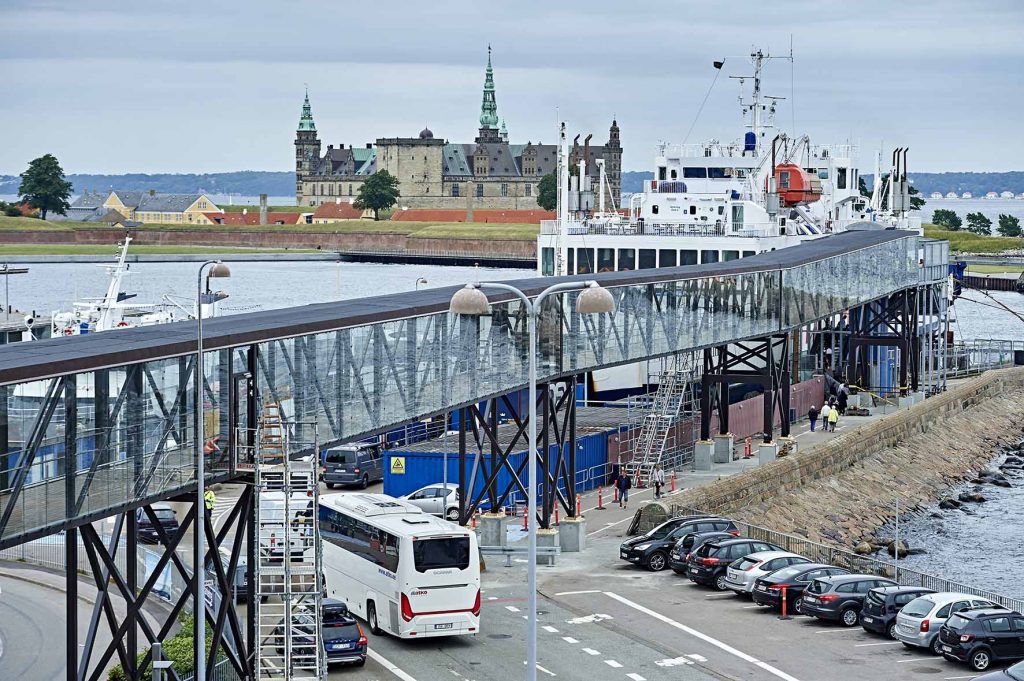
<point>680,553</point>
<point>768,590</point>
<point>878,614</point>
<point>352,465</point>
<point>742,572</point>
<point>165,516</point>
<point>437,500</point>
<point>918,623</point>
<point>839,598</point>
<point>981,637</point>
<point>653,553</point>
<point>707,565</point>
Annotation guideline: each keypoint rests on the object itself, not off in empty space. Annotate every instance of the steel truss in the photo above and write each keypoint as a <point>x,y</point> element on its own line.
<point>891,321</point>
<point>764,361</point>
<point>556,454</point>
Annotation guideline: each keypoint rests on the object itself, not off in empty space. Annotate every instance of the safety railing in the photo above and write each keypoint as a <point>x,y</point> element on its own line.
<point>972,357</point>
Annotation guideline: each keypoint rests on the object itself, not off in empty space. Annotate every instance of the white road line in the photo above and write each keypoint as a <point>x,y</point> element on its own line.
<point>613,664</point>
<point>950,678</point>
<point>575,593</point>
<point>635,677</point>
<point>569,639</point>
<point>542,669</point>
<point>698,658</point>
<point>510,608</point>
<point>838,631</point>
<point>704,637</point>
<point>492,598</point>
<point>728,595</point>
<point>673,662</point>
<point>550,629</point>
<point>751,607</point>
<point>591,651</point>
<point>610,525</point>
<point>868,645</point>
<point>377,657</point>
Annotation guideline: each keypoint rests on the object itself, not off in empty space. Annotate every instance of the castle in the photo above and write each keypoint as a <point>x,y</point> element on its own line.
<point>489,173</point>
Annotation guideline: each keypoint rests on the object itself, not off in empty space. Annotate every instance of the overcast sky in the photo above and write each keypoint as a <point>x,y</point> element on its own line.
<point>113,86</point>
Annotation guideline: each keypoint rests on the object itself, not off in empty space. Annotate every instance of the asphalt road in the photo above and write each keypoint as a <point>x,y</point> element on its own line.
<point>31,632</point>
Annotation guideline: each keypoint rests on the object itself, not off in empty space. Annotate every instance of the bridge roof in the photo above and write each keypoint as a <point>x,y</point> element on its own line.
<point>59,356</point>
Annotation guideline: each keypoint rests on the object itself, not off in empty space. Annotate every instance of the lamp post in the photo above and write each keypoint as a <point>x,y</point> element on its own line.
<point>219,270</point>
<point>419,281</point>
<point>471,300</point>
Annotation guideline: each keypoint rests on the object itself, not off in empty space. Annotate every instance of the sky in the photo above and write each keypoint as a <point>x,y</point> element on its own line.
<point>115,86</point>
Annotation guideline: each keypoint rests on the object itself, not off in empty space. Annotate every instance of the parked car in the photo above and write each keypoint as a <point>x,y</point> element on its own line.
<point>344,641</point>
<point>353,465</point>
<point>707,565</point>
<point>839,598</point>
<point>628,551</point>
<point>878,614</point>
<point>165,515</point>
<point>437,500</point>
<point>742,572</point>
<point>653,552</point>
<point>768,589</point>
<point>981,637</point>
<point>1014,673</point>
<point>918,623</point>
<point>680,553</point>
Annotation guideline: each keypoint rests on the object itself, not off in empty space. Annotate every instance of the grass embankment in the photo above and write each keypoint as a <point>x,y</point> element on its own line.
<point>994,269</point>
<point>968,242</point>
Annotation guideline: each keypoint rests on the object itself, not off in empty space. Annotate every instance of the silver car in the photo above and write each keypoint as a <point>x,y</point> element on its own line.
<point>743,572</point>
<point>918,623</point>
<point>436,500</point>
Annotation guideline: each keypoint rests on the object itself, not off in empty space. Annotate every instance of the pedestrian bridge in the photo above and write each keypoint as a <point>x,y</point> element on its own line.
<point>95,425</point>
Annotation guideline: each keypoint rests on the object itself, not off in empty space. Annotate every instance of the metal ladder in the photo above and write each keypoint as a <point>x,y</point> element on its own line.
<point>657,424</point>
<point>287,574</point>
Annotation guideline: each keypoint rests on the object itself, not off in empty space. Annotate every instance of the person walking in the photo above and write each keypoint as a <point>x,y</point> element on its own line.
<point>812,415</point>
<point>833,418</point>
<point>209,500</point>
<point>659,481</point>
<point>842,401</point>
<point>825,412</point>
<point>624,484</point>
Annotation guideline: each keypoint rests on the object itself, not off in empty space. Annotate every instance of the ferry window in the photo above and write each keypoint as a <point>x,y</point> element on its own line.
<point>666,258</point>
<point>784,179</point>
<point>708,256</point>
<point>648,258</point>
<point>584,260</point>
<point>741,173</point>
<point>687,257</point>
<point>627,259</point>
<point>721,210</point>
<point>747,254</point>
<point>606,260</point>
<point>547,261</point>
<point>730,255</point>
<point>840,178</point>
<point>661,172</point>
<point>571,261</point>
<point>693,210</point>
<point>720,173</point>
<point>822,173</point>
<point>674,174</point>
<point>654,209</point>
<point>695,172</point>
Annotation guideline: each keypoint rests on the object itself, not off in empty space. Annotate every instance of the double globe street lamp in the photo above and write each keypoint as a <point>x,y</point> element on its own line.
<point>472,301</point>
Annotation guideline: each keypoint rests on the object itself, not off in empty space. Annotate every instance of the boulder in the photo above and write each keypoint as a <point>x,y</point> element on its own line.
<point>903,549</point>
<point>972,497</point>
<point>864,549</point>
<point>1002,482</point>
<point>936,514</point>
<point>916,552</point>
<point>949,504</point>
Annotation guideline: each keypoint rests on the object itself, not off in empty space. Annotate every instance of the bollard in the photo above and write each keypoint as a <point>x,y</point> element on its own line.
<point>556,513</point>
<point>615,498</point>
<point>748,448</point>
<point>526,521</point>
<point>673,482</point>
<point>600,499</point>
<point>784,616</point>
<point>579,506</point>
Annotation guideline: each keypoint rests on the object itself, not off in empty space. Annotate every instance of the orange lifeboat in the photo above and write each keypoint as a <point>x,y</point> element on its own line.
<point>795,185</point>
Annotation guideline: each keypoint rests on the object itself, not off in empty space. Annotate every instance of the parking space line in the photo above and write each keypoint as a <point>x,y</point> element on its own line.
<point>511,608</point>
<point>868,645</point>
<point>950,678</point>
<point>591,651</point>
<point>838,631</point>
<point>569,639</point>
<point>550,629</point>
<point>613,664</point>
<point>702,636</point>
<point>382,661</point>
<point>635,677</point>
<point>576,593</point>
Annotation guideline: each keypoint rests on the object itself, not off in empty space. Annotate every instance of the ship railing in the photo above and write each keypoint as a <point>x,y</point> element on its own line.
<point>732,150</point>
<point>550,226</point>
<point>719,228</point>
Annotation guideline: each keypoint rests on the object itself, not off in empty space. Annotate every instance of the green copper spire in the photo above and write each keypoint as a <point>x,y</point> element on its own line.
<point>489,108</point>
<point>306,122</point>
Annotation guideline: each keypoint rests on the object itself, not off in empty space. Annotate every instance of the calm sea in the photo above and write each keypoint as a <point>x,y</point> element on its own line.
<point>990,208</point>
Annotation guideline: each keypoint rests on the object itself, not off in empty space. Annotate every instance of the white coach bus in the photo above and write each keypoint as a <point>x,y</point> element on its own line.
<point>405,572</point>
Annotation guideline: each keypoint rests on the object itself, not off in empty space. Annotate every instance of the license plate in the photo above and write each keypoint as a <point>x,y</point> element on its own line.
<point>341,646</point>
<point>947,649</point>
<point>731,574</point>
<point>623,554</point>
<point>443,626</point>
<point>761,587</point>
<point>675,556</point>
<point>809,599</point>
<point>869,620</point>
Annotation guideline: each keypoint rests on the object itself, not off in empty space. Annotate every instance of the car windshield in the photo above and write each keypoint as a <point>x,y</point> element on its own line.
<point>445,552</point>
<point>707,549</point>
<point>957,622</point>
<point>818,586</point>
<point>661,531</point>
<point>787,572</point>
<point>744,563</point>
<point>340,632</point>
<point>341,456</point>
<point>919,607</point>
<point>164,514</point>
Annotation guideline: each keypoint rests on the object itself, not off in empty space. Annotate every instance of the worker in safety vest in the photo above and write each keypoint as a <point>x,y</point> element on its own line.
<point>209,499</point>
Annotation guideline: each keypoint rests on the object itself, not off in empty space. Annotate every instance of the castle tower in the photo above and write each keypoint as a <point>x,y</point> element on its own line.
<point>489,107</point>
<point>613,163</point>
<point>307,148</point>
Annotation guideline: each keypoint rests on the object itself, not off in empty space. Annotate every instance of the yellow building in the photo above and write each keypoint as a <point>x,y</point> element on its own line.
<point>152,207</point>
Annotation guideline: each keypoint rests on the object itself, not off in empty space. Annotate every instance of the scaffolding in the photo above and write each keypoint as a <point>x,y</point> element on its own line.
<point>288,574</point>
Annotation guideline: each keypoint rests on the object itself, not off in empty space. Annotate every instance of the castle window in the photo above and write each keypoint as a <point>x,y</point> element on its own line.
<point>529,189</point>
<point>504,189</point>
<point>479,189</point>
<point>350,190</point>
<point>455,189</point>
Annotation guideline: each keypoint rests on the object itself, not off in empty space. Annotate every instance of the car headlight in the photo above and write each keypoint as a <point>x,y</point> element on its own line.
<point>643,547</point>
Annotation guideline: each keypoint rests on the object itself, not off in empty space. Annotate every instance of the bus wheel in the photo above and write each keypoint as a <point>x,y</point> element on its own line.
<point>371,619</point>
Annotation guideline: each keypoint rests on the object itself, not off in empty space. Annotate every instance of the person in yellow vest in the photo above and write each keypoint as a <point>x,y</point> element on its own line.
<point>209,499</point>
<point>833,418</point>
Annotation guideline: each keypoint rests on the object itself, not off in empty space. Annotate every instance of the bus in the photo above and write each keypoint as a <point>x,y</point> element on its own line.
<point>401,570</point>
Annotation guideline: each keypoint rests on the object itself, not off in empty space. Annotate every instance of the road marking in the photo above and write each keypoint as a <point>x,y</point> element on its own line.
<point>704,637</point>
<point>511,608</point>
<point>673,662</point>
<point>550,629</point>
<point>698,658</point>
<point>591,651</point>
<point>868,645</point>
<point>546,671</point>
<point>635,677</point>
<point>492,598</point>
<point>851,630</point>
<point>751,607</point>
<point>950,678</point>
<point>576,593</point>
<point>728,595</point>
<point>613,664</point>
<point>610,525</point>
<point>569,639</point>
<point>587,619</point>
<point>374,655</point>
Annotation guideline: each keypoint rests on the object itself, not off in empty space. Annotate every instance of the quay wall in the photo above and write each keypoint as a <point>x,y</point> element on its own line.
<point>842,491</point>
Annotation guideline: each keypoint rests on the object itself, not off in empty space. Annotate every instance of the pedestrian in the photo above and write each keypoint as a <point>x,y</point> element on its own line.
<point>812,414</point>
<point>842,402</point>
<point>825,412</point>
<point>625,483</point>
<point>209,500</point>
<point>659,481</point>
<point>833,418</point>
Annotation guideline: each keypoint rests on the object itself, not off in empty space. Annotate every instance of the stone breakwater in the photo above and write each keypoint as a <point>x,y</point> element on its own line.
<point>842,491</point>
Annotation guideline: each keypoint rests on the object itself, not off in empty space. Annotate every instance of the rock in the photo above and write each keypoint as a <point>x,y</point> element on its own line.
<point>1014,460</point>
<point>864,549</point>
<point>935,514</point>
<point>1002,483</point>
<point>903,549</point>
<point>916,552</point>
<point>972,497</point>
<point>835,518</point>
<point>949,504</point>
<point>803,533</point>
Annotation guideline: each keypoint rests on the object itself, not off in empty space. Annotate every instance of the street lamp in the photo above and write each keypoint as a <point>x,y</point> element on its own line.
<point>419,281</point>
<point>219,270</point>
<point>471,300</point>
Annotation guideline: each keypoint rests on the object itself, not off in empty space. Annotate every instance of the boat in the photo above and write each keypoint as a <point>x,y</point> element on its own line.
<point>991,195</point>
<point>936,195</point>
<point>952,195</point>
<point>1006,195</point>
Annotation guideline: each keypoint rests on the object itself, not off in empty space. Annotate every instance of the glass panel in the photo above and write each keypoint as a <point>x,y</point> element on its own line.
<point>648,258</point>
<point>708,256</point>
<point>606,260</point>
<point>730,255</point>
<point>570,263</point>
<point>547,261</point>
<point>666,258</point>
<point>626,259</point>
<point>687,257</point>
<point>585,260</point>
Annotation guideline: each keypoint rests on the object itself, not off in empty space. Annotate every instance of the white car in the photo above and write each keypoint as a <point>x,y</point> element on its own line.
<point>918,623</point>
<point>437,500</point>
<point>743,572</point>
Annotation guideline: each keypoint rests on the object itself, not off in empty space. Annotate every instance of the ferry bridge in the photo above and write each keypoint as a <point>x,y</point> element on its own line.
<point>101,426</point>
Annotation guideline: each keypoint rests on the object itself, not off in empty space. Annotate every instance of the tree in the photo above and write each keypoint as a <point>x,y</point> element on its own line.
<point>1009,225</point>
<point>979,224</point>
<point>43,186</point>
<point>11,210</point>
<point>547,192</point>
<point>916,200</point>
<point>947,219</point>
<point>379,192</point>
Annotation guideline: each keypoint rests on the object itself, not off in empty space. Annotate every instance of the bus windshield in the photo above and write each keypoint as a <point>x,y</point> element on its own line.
<point>444,552</point>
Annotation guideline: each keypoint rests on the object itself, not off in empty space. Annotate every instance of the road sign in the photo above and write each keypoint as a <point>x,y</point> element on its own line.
<point>398,465</point>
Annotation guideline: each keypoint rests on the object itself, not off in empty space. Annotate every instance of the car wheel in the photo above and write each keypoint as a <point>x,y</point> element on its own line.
<point>892,631</point>
<point>980,660</point>
<point>657,561</point>
<point>936,646</point>
<point>330,485</point>
<point>798,605</point>
<point>452,515</point>
<point>361,662</point>
<point>850,617</point>
<point>371,619</point>
<point>720,582</point>
<point>679,572</point>
<point>365,482</point>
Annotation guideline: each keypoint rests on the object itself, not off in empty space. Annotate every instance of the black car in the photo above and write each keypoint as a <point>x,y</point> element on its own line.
<point>983,636</point>
<point>839,598</point>
<point>165,515</point>
<point>628,551</point>
<point>653,553</point>
<point>878,613</point>
<point>707,565</point>
<point>1014,673</point>
<point>768,589</point>
<point>680,553</point>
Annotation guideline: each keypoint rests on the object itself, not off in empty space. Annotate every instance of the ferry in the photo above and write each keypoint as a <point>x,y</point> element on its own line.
<point>719,201</point>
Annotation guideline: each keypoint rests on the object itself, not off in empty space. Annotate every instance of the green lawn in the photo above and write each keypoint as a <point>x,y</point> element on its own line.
<point>967,242</point>
<point>89,249</point>
<point>992,269</point>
